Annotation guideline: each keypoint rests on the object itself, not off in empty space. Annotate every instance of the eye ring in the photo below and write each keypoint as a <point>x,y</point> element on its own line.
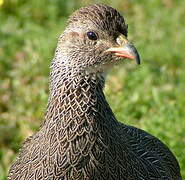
<point>92,35</point>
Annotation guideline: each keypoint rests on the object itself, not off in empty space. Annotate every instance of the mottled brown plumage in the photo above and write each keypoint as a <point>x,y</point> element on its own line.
<point>80,137</point>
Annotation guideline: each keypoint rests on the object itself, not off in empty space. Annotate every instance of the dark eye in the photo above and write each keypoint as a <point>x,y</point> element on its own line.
<point>92,35</point>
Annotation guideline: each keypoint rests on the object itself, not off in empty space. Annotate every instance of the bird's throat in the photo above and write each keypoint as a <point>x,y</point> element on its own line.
<point>77,101</point>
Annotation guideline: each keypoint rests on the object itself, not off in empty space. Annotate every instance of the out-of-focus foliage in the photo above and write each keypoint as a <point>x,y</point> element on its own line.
<point>150,96</point>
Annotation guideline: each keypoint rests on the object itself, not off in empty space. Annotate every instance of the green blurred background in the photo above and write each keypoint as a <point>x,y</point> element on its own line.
<point>150,96</point>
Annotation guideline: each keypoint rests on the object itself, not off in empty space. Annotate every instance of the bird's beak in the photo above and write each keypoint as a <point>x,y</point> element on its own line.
<point>125,49</point>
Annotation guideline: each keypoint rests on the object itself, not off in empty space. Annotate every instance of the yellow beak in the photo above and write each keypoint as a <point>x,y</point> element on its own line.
<point>125,49</point>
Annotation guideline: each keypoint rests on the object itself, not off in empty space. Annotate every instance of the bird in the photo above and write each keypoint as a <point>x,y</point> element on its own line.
<point>80,137</point>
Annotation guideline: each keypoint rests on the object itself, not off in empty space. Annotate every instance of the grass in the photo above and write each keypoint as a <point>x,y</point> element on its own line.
<point>150,96</point>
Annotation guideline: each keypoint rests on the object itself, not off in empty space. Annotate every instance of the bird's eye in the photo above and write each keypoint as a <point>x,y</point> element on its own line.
<point>92,35</point>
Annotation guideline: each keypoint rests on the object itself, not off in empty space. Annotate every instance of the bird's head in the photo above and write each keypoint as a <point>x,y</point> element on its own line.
<point>96,36</point>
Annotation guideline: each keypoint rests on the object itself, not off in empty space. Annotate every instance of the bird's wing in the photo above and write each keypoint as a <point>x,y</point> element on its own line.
<point>155,148</point>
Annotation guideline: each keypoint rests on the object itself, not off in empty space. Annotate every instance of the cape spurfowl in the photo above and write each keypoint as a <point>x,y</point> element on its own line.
<point>80,137</point>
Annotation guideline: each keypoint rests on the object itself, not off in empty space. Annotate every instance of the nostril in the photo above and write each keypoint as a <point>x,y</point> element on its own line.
<point>118,41</point>
<point>121,40</point>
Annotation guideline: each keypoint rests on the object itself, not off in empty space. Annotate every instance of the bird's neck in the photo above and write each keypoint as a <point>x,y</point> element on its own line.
<point>77,99</point>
